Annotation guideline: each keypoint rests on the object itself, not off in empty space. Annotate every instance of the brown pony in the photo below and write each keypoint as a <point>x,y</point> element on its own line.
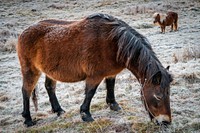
<point>163,20</point>
<point>96,47</point>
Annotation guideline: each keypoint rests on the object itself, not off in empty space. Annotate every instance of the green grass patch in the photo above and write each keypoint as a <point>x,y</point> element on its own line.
<point>71,113</point>
<point>99,125</point>
<point>145,127</point>
<point>98,106</point>
<point>47,128</point>
<point>193,127</point>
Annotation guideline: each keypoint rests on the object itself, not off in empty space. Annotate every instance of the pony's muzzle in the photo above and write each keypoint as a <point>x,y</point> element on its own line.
<point>163,120</point>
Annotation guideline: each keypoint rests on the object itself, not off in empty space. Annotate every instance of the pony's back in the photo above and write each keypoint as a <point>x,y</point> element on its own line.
<point>77,49</point>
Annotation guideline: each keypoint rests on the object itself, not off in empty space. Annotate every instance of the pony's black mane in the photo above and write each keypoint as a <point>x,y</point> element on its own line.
<point>134,49</point>
<point>101,16</point>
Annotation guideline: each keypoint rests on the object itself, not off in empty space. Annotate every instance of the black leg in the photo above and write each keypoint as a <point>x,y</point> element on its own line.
<point>50,87</point>
<point>85,107</point>
<point>30,78</point>
<point>26,111</point>
<point>110,97</point>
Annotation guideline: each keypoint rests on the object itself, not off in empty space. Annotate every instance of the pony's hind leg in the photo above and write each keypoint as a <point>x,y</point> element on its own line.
<point>110,97</point>
<point>172,25</point>
<point>50,86</point>
<point>30,78</point>
<point>90,90</point>
<point>175,26</point>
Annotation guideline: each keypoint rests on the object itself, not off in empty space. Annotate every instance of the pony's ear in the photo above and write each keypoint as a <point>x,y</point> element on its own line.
<point>170,76</point>
<point>167,68</point>
<point>156,80</point>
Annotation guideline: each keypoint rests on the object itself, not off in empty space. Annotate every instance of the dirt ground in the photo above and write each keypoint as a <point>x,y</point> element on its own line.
<point>180,50</point>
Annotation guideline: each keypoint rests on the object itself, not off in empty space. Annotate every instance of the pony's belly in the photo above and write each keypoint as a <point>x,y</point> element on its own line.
<point>70,73</point>
<point>62,77</point>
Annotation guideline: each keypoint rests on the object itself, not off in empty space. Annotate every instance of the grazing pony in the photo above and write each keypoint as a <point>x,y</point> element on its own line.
<point>96,47</point>
<point>163,20</point>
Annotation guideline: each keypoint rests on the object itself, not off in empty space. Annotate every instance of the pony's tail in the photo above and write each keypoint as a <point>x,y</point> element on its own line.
<point>35,99</point>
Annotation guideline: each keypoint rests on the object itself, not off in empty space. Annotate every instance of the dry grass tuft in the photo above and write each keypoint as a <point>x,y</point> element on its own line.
<point>185,54</point>
<point>141,9</point>
<point>126,107</point>
<point>104,3</point>
<point>99,106</point>
<point>191,77</point>
<point>145,127</point>
<point>70,113</point>
<point>144,26</point>
<point>2,107</point>
<point>4,98</point>
<point>189,128</point>
<point>41,115</point>
<point>52,127</point>
<point>4,121</point>
<point>122,128</point>
<point>9,45</point>
<point>99,125</point>
<point>72,126</point>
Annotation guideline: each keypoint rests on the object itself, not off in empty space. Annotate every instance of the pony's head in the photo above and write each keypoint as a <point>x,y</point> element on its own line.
<point>159,17</point>
<point>136,54</point>
<point>156,97</point>
<point>156,17</point>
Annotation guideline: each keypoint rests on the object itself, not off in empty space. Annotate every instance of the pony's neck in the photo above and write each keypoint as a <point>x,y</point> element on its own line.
<point>159,22</point>
<point>140,77</point>
<point>152,67</point>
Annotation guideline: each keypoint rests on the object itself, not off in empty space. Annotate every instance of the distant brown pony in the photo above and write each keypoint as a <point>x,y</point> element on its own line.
<point>163,20</point>
<point>96,47</point>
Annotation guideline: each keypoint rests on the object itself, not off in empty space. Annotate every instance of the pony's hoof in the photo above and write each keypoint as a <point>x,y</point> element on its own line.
<point>59,113</point>
<point>115,107</point>
<point>86,117</point>
<point>29,123</point>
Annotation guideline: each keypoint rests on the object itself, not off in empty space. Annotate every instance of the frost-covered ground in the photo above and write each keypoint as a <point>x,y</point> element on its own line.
<point>178,49</point>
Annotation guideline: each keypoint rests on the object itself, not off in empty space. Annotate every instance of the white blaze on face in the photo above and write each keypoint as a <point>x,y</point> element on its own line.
<point>162,118</point>
<point>162,17</point>
<point>155,14</point>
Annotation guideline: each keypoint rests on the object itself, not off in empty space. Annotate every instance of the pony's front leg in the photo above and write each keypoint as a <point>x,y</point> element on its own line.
<point>85,107</point>
<point>110,97</point>
<point>50,86</point>
<point>163,29</point>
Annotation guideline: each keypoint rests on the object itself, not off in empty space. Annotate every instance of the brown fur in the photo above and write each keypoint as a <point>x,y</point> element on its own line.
<point>171,18</point>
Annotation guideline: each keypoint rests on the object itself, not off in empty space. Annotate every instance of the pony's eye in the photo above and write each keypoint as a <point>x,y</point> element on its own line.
<point>157,97</point>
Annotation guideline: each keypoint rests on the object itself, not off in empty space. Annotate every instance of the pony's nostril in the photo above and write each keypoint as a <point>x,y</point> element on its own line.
<point>163,120</point>
<point>166,123</point>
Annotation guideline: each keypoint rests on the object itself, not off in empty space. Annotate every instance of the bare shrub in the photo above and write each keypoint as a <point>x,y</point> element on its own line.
<point>186,54</point>
<point>4,98</point>
<point>9,45</point>
<point>104,3</point>
<point>141,9</point>
<point>191,77</point>
<point>144,26</point>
